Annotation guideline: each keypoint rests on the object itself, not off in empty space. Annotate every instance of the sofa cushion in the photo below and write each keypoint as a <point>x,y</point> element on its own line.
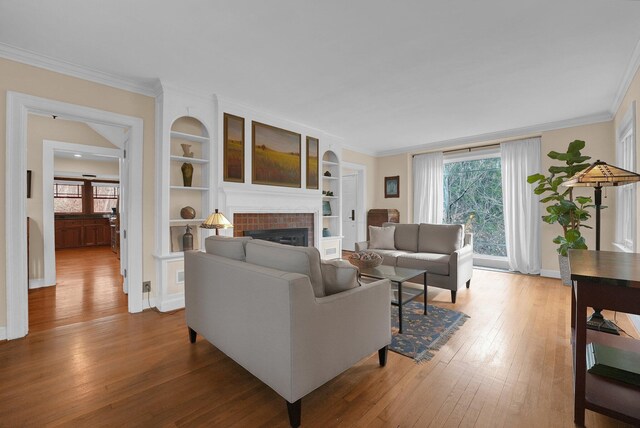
<point>389,256</point>
<point>382,237</point>
<point>440,238</point>
<point>432,262</point>
<point>226,246</point>
<point>304,260</point>
<point>338,276</point>
<point>406,237</point>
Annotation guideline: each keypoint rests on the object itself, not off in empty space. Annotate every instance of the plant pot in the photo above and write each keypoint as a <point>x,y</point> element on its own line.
<point>565,272</point>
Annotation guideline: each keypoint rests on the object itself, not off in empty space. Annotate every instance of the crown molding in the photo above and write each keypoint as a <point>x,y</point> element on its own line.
<point>498,135</point>
<point>627,78</point>
<point>48,63</point>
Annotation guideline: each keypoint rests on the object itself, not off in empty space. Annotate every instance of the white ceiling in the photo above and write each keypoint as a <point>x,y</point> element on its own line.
<point>383,75</point>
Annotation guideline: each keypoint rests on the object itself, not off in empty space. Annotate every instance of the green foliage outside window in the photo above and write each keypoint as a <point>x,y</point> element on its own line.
<point>473,196</point>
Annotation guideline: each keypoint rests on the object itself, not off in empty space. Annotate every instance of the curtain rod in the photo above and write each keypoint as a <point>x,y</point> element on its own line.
<point>472,148</point>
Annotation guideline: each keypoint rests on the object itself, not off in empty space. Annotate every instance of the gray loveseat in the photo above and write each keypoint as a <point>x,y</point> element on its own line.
<point>444,250</point>
<point>291,320</point>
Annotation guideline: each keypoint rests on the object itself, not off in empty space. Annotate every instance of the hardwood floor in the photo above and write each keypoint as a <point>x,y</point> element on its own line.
<point>89,286</point>
<point>508,366</point>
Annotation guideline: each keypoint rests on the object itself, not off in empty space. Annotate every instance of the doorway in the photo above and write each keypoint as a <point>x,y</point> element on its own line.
<point>19,106</point>
<point>353,205</point>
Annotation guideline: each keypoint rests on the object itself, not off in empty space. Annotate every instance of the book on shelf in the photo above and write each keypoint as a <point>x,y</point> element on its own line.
<point>613,363</point>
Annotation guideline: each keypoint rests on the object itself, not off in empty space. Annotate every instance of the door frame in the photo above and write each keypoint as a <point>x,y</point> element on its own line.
<point>361,199</point>
<point>49,147</point>
<point>19,106</point>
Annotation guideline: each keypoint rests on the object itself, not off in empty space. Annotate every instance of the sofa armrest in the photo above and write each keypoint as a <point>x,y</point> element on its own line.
<point>332,333</point>
<point>461,265</point>
<point>361,246</point>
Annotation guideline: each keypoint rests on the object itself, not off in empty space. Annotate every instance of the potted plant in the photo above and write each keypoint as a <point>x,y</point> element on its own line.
<point>569,212</point>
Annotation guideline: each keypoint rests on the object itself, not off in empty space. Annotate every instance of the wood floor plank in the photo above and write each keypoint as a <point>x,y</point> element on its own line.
<point>508,365</point>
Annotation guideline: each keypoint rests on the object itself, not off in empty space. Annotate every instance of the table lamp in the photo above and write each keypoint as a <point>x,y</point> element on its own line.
<point>216,221</point>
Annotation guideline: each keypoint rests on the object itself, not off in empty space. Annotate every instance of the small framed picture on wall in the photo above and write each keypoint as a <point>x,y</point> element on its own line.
<point>392,187</point>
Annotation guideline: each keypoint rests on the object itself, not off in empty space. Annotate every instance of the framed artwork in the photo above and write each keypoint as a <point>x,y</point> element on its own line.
<point>276,156</point>
<point>392,187</point>
<point>28,183</point>
<point>177,232</point>
<point>233,148</point>
<point>312,162</point>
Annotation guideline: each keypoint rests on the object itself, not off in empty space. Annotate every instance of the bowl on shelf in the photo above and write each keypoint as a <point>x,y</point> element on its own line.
<point>365,259</point>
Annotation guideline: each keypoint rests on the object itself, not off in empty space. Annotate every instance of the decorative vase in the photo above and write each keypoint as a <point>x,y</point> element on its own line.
<point>188,212</point>
<point>325,232</point>
<point>187,174</point>
<point>186,150</point>
<point>565,271</point>
<point>187,240</point>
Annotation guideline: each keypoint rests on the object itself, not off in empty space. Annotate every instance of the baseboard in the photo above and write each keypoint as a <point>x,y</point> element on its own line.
<point>38,283</point>
<point>171,303</point>
<point>3,333</point>
<point>550,273</point>
<point>148,302</point>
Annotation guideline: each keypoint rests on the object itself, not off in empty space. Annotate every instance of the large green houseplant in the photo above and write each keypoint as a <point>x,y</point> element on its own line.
<point>569,212</point>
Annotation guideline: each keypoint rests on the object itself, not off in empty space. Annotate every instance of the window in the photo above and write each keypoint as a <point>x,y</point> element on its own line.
<point>626,195</point>
<point>105,197</point>
<point>67,196</point>
<point>71,196</point>
<point>473,196</point>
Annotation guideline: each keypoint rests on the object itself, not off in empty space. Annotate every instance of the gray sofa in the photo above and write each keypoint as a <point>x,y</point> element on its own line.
<point>280,313</point>
<point>444,250</point>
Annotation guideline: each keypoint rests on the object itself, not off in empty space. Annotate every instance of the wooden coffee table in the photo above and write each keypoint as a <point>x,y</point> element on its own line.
<point>397,276</point>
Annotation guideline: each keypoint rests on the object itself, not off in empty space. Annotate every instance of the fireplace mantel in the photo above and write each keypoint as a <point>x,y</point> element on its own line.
<point>238,200</point>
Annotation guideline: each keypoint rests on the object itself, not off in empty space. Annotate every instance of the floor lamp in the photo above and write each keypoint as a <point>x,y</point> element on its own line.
<point>216,221</point>
<point>599,175</point>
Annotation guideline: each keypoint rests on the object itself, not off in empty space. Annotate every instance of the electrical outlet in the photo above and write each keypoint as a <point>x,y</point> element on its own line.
<point>146,287</point>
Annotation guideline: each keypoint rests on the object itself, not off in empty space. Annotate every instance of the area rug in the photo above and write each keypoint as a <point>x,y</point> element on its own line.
<point>423,334</point>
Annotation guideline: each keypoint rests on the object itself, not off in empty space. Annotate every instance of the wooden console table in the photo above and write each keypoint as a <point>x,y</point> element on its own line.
<point>607,280</point>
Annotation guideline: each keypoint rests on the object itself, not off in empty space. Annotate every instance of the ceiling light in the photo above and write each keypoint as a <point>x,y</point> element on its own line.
<point>77,155</point>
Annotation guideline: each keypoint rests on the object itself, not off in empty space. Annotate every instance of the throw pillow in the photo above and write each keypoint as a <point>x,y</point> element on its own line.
<point>338,276</point>
<point>226,246</point>
<point>382,238</point>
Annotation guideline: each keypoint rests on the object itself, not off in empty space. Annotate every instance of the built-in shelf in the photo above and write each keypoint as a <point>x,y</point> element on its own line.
<point>330,178</point>
<point>189,160</point>
<point>189,137</point>
<point>330,216</point>
<point>187,220</point>
<point>324,162</point>
<point>201,189</point>
<point>330,237</point>
<point>329,197</point>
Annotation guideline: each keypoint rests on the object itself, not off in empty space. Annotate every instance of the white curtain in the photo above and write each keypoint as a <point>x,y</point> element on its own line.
<point>428,193</point>
<point>521,206</point>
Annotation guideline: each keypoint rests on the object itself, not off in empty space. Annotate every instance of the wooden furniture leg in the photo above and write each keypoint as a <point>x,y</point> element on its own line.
<point>382,355</point>
<point>295,412</point>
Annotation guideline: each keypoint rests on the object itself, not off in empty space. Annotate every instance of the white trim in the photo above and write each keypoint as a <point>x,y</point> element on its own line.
<point>148,302</point>
<point>18,108</point>
<point>498,135</point>
<point>627,78</point>
<point>69,69</point>
<point>550,273</point>
<point>171,303</point>
<point>3,333</point>
<point>361,203</point>
<point>493,262</point>
<point>49,147</point>
<point>37,283</point>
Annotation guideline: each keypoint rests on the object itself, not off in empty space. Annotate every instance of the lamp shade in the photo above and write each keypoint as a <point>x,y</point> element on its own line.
<point>600,174</point>
<point>216,220</point>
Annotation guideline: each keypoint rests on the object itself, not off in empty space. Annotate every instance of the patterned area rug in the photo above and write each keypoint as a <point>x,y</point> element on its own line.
<point>423,334</point>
